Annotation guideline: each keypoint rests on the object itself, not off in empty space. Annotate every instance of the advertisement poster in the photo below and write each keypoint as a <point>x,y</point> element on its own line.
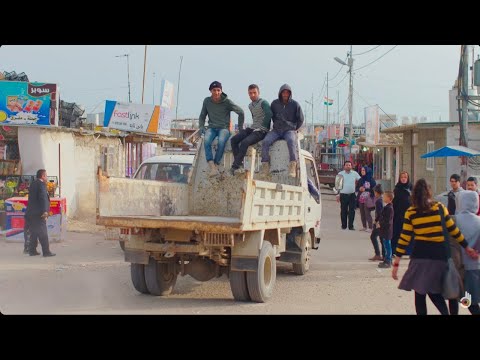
<point>23,103</point>
<point>372,128</point>
<point>139,118</point>
<point>166,94</point>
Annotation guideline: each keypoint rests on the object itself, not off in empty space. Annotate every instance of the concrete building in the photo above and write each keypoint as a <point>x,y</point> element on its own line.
<point>73,156</point>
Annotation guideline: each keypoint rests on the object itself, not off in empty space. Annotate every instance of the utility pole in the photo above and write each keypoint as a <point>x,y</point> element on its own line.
<point>128,74</point>
<point>327,99</point>
<point>464,118</point>
<point>178,88</point>
<point>144,69</point>
<point>338,109</point>
<point>350,99</point>
<point>153,88</point>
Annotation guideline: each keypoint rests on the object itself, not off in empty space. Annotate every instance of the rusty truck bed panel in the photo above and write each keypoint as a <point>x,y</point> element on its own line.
<point>200,223</point>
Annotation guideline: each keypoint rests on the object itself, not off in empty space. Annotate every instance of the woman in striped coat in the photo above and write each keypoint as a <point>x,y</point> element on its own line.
<point>429,256</point>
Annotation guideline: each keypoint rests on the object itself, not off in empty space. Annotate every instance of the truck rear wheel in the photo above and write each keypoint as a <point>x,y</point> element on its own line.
<point>304,266</point>
<point>238,285</point>
<point>261,283</point>
<point>160,278</point>
<point>137,272</point>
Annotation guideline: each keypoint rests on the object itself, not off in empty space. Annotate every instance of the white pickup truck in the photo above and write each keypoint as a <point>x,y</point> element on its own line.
<point>236,225</point>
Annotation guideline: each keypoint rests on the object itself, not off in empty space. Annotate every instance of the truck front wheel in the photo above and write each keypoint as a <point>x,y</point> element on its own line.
<point>304,266</point>
<point>261,283</point>
<point>137,272</point>
<point>160,278</point>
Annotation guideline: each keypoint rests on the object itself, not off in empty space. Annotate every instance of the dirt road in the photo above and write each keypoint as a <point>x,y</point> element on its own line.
<point>89,276</point>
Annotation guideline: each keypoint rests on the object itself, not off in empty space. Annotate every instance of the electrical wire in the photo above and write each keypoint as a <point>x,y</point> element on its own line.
<point>334,86</point>
<point>366,102</point>
<point>338,72</point>
<point>367,51</point>
<point>370,63</point>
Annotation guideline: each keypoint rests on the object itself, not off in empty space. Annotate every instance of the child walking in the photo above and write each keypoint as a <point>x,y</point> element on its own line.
<point>386,229</point>
<point>376,227</point>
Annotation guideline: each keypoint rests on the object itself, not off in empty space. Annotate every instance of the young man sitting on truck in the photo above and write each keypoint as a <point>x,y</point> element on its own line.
<point>287,119</point>
<point>218,108</point>
<point>261,118</point>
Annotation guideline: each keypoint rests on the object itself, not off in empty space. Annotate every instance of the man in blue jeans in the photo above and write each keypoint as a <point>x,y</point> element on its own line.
<point>287,119</point>
<point>218,107</point>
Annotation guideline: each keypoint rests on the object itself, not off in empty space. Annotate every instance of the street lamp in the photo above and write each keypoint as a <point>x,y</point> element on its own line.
<point>128,73</point>
<point>350,95</point>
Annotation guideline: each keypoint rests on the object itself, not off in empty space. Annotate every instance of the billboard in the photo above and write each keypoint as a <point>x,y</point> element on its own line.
<point>166,94</point>
<point>140,118</point>
<point>24,103</point>
<point>372,126</point>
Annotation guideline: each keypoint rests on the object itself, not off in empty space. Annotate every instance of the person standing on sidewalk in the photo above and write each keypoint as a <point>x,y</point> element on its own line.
<point>473,186</point>
<point>376,227</point>
<point>365,190</point>
<point>36,214</point>
<point>218,107</point>
<point>386,229</point>
<point>347,195</point>
<point>401,202</point>
<point>261,119</point>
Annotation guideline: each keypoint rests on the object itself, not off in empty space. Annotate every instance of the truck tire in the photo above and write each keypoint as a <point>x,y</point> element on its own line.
<point>261,282</point>
<point>304,266</point>
<point>137,272</point>
<point>122,244</point>
<point>238,285</point>
<point>159,278</point>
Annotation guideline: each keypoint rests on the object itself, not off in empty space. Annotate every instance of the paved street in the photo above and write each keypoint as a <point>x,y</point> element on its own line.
<point>89,276</point>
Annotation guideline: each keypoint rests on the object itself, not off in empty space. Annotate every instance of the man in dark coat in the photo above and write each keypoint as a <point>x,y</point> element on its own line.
<point>36,214</point>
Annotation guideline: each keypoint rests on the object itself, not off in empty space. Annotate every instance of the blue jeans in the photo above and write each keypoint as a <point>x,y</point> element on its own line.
<point>210,135</point>
<point>289,136</point>
<point>387,244</point>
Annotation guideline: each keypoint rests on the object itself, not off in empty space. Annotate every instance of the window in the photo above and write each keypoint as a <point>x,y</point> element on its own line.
<point>430,161</point>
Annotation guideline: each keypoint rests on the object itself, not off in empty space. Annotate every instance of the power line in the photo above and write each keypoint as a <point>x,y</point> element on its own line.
<point>366,102</point>
<point>370,63</point>
<point>334,86</point>
<point>338,72</point>
<point>367,51</point>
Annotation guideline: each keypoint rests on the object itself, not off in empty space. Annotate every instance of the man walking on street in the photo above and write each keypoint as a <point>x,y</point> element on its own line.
<point>218,108</point>
<point>261,118</point>
<point>347,196</point>
<point>36,214</point>
<point>452,194</point>
<point>287,119</point>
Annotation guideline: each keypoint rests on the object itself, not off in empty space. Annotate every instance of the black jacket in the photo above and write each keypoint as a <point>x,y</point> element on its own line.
<point>386,222</point>
<point>38,200</point>
<point>401,200</point>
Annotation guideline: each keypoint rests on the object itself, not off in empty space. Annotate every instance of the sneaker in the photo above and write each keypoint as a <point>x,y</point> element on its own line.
<point>34,253</point>
<point>384,265</point>
<point>352,228</point>
<point>25,251</point>
<point>239,171</point>
<point>265,170</point>
<point>376,258</point>
<point>344,228</point>
<point>213,169</point>
<point>48,254</point>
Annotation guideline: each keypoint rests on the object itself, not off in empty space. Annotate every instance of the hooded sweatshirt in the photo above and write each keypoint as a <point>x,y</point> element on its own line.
<point>286,116</point>
<point>469,224</point>
<point>219,113</point>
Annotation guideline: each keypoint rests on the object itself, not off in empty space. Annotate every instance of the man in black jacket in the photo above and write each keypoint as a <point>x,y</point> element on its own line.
<point>36,214</point>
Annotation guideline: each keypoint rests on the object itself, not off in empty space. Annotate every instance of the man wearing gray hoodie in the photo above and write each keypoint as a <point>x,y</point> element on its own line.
<point>287,119</point>
<point>469,224</point>
<point>218,108</point>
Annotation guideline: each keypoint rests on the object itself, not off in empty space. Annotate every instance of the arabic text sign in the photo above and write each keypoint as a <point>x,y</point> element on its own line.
<point>140,118</point>
<point>23,103</point>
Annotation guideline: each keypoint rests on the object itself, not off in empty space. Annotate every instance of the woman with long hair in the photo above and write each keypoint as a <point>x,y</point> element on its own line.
<point>401,202</point>
<point>428,261</point>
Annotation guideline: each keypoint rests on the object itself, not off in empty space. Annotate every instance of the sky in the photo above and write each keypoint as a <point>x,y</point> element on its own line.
<point>410,80</point>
